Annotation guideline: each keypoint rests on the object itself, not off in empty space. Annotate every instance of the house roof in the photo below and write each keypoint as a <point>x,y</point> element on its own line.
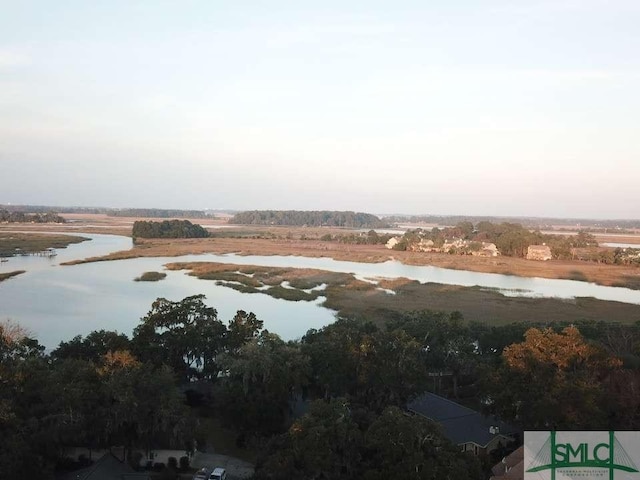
<point>459,423</point>
<point>108,467</point>
<point>539,247</point>
<point>510,466</point>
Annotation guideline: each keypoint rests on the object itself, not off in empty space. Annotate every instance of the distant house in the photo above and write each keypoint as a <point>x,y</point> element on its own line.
<point>424,245</point>
<point>487,250</point>
<point>392,242</point>
<point>511,467</point>
<point>470,430</point>
<point>539,252</point>
<point>454,245</point>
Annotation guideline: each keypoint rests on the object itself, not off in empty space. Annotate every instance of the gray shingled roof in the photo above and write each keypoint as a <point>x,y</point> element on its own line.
<point>459,423</point>
<point>108,467</point>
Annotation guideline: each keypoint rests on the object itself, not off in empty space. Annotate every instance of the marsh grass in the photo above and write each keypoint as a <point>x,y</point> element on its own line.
<point>34,242</point>
<point>6,276</point>
<point>151,277</point>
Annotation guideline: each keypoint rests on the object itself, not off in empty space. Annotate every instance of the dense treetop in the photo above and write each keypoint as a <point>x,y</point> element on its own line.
<point>168,229</point>
<point>322,218</point>
<point>183,363</point>
<point>25,217</point>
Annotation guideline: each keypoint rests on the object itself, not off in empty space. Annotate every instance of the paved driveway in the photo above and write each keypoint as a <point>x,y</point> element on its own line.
<point>236,468</point>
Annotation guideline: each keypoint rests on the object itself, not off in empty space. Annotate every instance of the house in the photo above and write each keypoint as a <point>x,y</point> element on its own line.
<point>539,252</point>
<point>487,250</point>
<point>470,430</point>
<point>511,467</point>
<point>454,245</point>
<point>392,242</point>
<point>424,245</point>
<point>108,467</point>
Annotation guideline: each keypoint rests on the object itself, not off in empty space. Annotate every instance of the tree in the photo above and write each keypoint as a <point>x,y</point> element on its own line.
<point>552,380</point>
<point>400,445</point>
<point>242,328</point>
<point>144,405</point>
<point>93,347</point>
<point>324,443</point>
<point>261,379</point>
<point>375,368</point>
<point>185,335</point>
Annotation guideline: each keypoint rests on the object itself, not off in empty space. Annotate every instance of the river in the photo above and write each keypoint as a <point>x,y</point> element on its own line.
<point>57,302</point>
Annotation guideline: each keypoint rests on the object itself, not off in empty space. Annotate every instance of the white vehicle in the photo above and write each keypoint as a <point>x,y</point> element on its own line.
<point>218,474</point>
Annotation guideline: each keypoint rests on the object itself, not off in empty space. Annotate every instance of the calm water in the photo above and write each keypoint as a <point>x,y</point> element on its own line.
<point>621,245</point>
<point>59,302</point>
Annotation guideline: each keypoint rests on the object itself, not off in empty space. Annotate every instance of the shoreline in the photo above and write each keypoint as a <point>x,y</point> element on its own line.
<point>286,241</point>
<point>384,300</point>
<point>605,275</point>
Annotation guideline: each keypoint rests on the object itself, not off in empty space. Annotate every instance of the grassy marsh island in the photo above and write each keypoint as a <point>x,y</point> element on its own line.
<point>379,300</point>
<point>151,277</point>
<point>17,243</point>
<point>7,275</point>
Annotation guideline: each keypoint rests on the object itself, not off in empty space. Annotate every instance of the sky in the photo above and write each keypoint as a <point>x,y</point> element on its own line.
<point>485,107</point>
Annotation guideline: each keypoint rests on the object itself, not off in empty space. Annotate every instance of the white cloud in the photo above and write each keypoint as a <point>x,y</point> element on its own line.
<point>13,58</point>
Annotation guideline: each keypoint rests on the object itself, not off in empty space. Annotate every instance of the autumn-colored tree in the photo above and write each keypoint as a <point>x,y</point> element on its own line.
<point>117,360</point>
<point>566,351</point>
<point>552,380</point>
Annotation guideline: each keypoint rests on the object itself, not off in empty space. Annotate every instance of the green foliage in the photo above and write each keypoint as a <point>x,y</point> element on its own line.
<point>93,391</point>
<point>325,443</point>
<point>261,378</point>
<point>185,335</point>
<point>328,442</point>
<point>93,347</point>
<point>375,368</point>
<point>308,218</point>
<point>168,229</point>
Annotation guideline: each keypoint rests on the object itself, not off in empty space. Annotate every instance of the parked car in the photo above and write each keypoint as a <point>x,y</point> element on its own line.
<point>201,474</point>
<point>218,474</point>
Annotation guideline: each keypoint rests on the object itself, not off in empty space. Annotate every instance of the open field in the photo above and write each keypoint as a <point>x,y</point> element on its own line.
<point>356,298</point>
<point>33,242</point>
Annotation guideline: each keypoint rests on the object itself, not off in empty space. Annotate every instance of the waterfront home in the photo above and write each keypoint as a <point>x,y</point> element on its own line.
<point>539,252</point>
<point>470,430</point>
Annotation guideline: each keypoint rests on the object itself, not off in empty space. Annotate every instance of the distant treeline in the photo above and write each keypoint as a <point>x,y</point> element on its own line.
<point>115,212</point>
<point>23,217</point>
<point>529,222</point>
<point>50,208</point>
<point>168,229</point>
<point>323,218</point>
<point>157,213</point>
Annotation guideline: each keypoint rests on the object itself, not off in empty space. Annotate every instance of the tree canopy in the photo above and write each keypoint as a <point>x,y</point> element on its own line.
<point>323,218</point>
<point>168,229</point>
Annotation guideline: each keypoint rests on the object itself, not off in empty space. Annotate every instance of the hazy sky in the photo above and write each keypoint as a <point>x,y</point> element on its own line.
<point>496,107</point>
